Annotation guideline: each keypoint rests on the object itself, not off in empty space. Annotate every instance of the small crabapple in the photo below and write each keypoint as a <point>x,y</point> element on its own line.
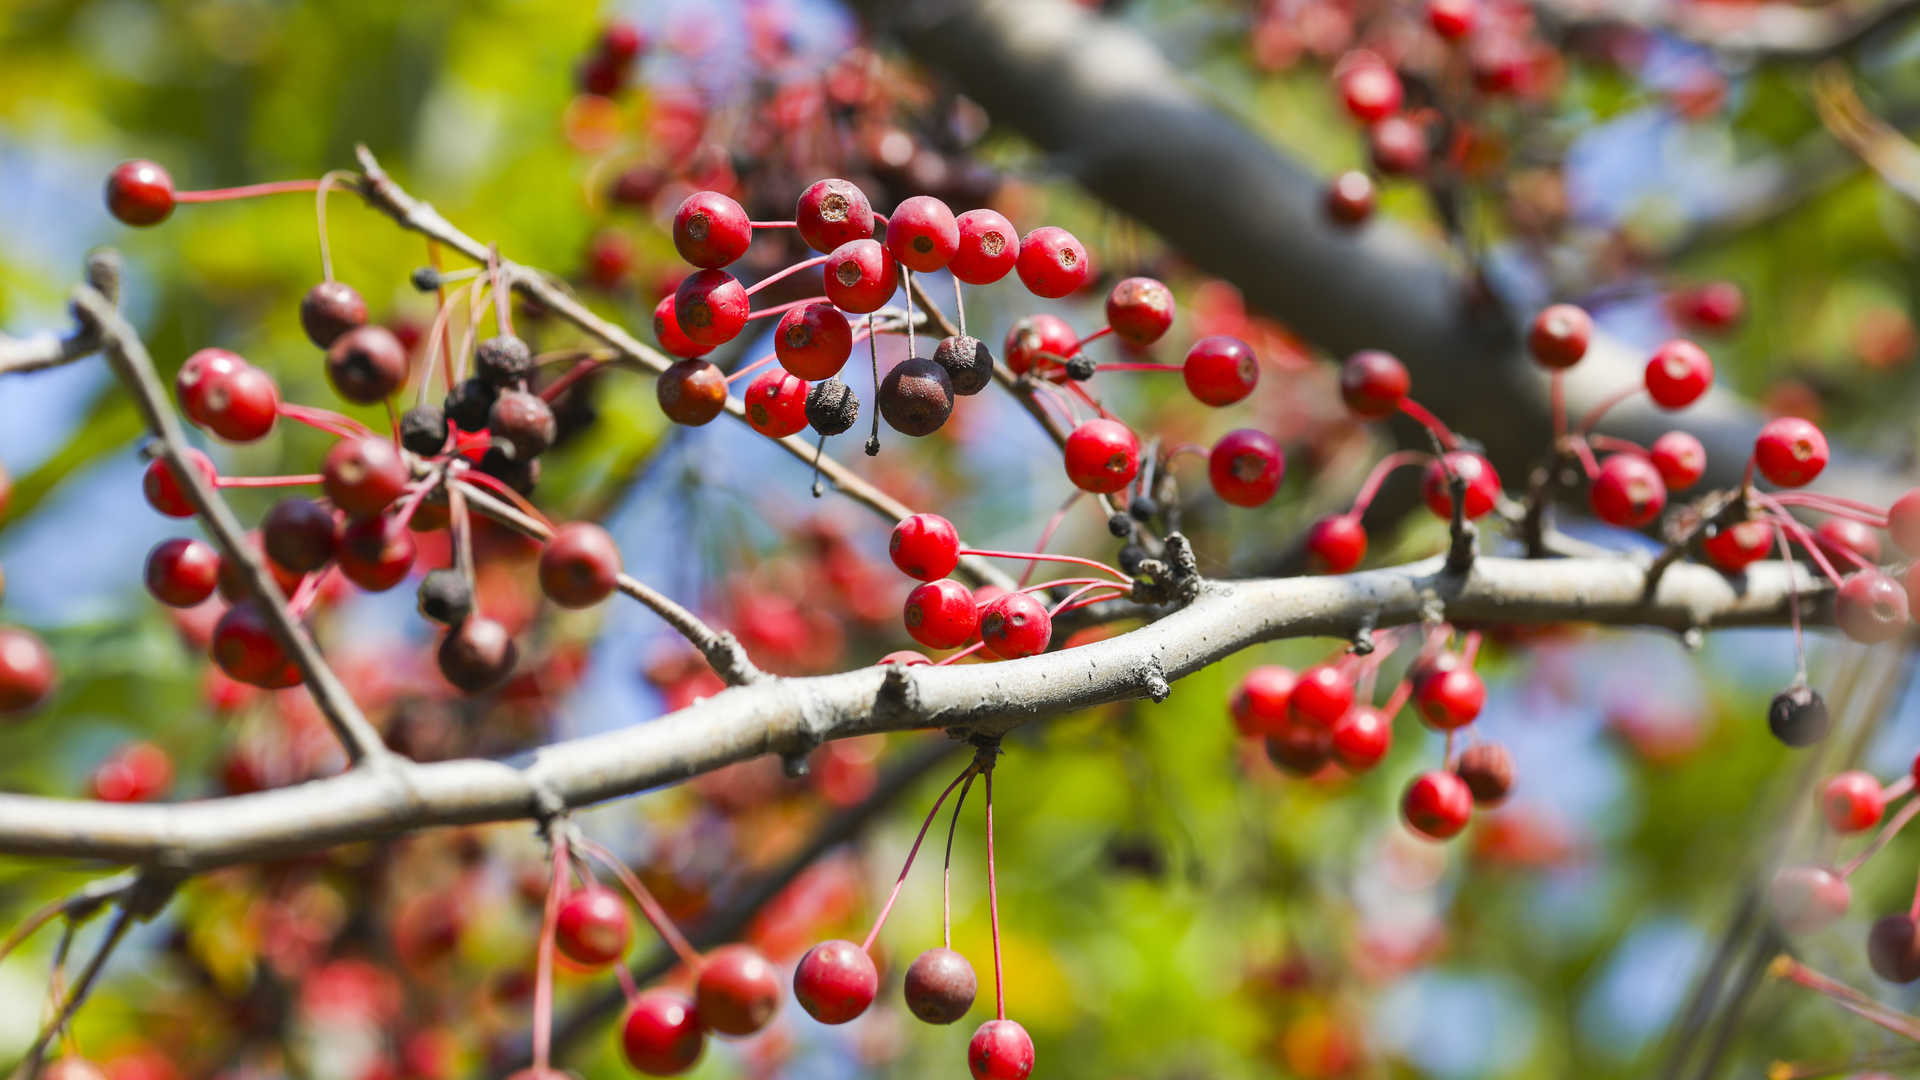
<point>860,276</point>
<point>366,364</point>
<point>1808,898</point>
<point>1398,146</point>
<point>988,249</point>
<point>711,307</point>
<point>1102,456</point>
<point>1903,522</point>
<point>737,992</point>
<point>139,192</point>
<point>1361,738</point>
<point>1039,341</point>
<point>662,1036</point>
<point>916,397</point>
<point>329,310</point>
<point>1350,198</point>
<point>666,331</point>
<point>1870,607</point>
<point>835,981</point>
<point>1450,699</point>
<point>364,475</point>
<point>1220,370</point>
<point>580,566</point>
<point>710,230</point>
<point>1841,538</point>
<point>925,546</point>
<point>1483,484</point>
<point>1000,1050</point>
<point>245,647</point>
<point>1893,948</point>
<point>1369,87</point>
<point>163,489</point>
<point>940,986</point>
<point>477,655</point>
<point>1336,543</point>
<point>813,341</point>
<point>1790,451</point>
<point>1321,696</point>
<point>1437,804</point>
<point>1052,263</point>
<point>1245,467</point>
<point>1300,749</point>
<point>1627,491</point>
<point>1487,769</point>
<point>1559,336</point>
<point>1374,383</point>
<point>941,614</point>
<point>1015,625</point>
<point>1681,459</point>
<point>922,234</point>
<point>1735,547</point>
<point>1140,309</point>
<point>1259,704</point>
<point>776,403</point>
<point>832,212</point>
<point>181,572</point>
<point>593,927</point>
<point>967,361</point>
<point>1852,801</point>
<point>376,553</point>
<point>691,392</point>
<point>1452,19</point>
<point>1678,373</point>
<point>300,534</point>
<point>27,671</point>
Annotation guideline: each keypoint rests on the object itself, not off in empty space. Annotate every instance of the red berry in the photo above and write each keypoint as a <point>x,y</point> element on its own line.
<point>1102,456</point>
<point>246,649</point>
<point>1321,696</point>
<point>135,773</point>
<point>738,991</point>
<point>364,475</point>
<point>691,392</point>
<point>1838,537</point>
<point>1487,769</point>
<point>1040,341</point>
<point>1140,309</point>
<point>204,369</point>
<point>329,310</point>
<point>580,566</point>
<point>1336,543</point>
<point>26,670</point>
<point>814,341</point>
<point>163,489</point>
<point>1260,704</point>
<point>1052,263</point>
<point>662,1036</point>
<point>367,365</point>
<point>1681,459</point>
<point>710,230</point>
<point>376,553</point>
<point>139,193</point>
<point>1903,522</point>
<point>1483,484</point>
<point>941,614</point>
<point>860,277</point>
<point>1398,146</point>
<point>1220,370</point>
<point>1452,19</point>
<point>1717,305</point>
<point>229,396</point>
<point>1000,1050</point>
<point>1437,805</point>
<point>925,546</point>
<point>835,981</point>
<point>593,927</point>
<point>609,259</point>
<point>1245,467</point>
<point>621,41</point>
<point>1300,749</point>
<point>711,307</point>
<point>1350,198</point>
<point>1808,898</point>
<point>1735,547</point>
<point>832,212</point>
<point>940,986</point>
<point>300,535</point>
<point>1559,336</point>
<point>666,331</point>
<point>1370,89</point>
<point>182,572</point>
<point>776,403</point>
<point>1852,801</point>
<point>988,247</point>
<point>1374,383</point>
<point>1790,451</point>
<point>1870,607</point>
<point>1361,738</point>
<point>1450,699</point>
<point>905,658</point>
<point>1678,373</point>
<point>922,234</point>
<point>1015,625</point>
<point>1628,491</point>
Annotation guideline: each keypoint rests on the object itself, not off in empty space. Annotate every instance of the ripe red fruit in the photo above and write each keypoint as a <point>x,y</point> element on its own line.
<point>738,991</point>
<point>940,986</point>
<point>860,276</point>
<point>1559,336</point>
<point>941,614</point>
<point>814,341</point>
<point>1102,456</point>
<point>1260,704</point>
<point>1361,738</point>
<point>1483,484</point>
<point>1487,769</point>
<point>1000,1050</point>
<point>1052,263</point>
<point>1893,948</point>
<point>246,649</point>
<point>922,234</point>
<point>1808,898</point>
<point>1245,467</point>
<point>299,534</point>
<point>1852,801</point>
<point>1321,696</point>
<point>1373,384</point>
<point>1015,625</point>
<point>135,773</point>
<point>1336,543</point>
<point>203,368</point>
<point>711,307</point>
<point>988,247</point>
<point>662,1037</point>
<point>1790,451</point>
<point>366,365</point>
<point>905,658</point>
<point>477,655</point>
<point>593,927</point>
<point>835,981</point>
<point>776,403</point>
<point>666,331</point>
<point>609,259</point>
<point>1040,341</point>
<point>1903,522</point>
<point>691,392</point>
<point>1300,749</point>
<point>1678,373</point>
<point>1452,19</point>
<point>1838,537</point>
<point>1870,607</point>
<point>832,212</point>
<point>710,230</point>
<point>580,566</point>
<point>26,670</point>
<point>1220,369</point>
<point>621,41</point>
<point>1717,305</point>
<point>182,572</point>
<point>1437,805</point>
<point>1681,459</point>
<point>1350,198</point>
<point>364,475</point>
<point>1369,88</point>
<point>376,553</point>
<point>139,192</point>
<point>163,489</point>
<point>1398,146</point>
<point>925,546</point>
<point>237,402</point>
<point>330,309</point>
<point>1628,491</point>
<point>1450,699</point>
<point>1140,309</point>
<point>1735,547</point>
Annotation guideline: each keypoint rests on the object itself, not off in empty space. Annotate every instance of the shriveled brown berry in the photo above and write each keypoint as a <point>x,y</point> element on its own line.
<point>940,986</point>
<point>524,422</point>
<point>477,655</point>
<point>832,407</point>
<point>300,535</point>
<point>503,361</point>
<point>691,392</point>
<point>367,364</point>
<point>445,596</point>
<point>424,430</point>
<point>469,404</point>
<point>329,310</point>
<point>580,566</point>
<point>916,397</point>
<point>1487,769</point>
<point>967,361</point>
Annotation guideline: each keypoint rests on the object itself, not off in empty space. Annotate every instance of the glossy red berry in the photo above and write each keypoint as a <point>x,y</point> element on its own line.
<point>1052,263</point>
<point>377,553</point>
<point>330,309</point>
<point>1220,370</point>
<point>364,475</point>
<point>1681,459</point>
<point>940,986</point>
<point>814,341</point>
<point>711,307</point>
<point>922,234</point>
<point>738,991</point>
<point>1000,1050</point>
<point>27,671</point>
<point>1870,607</point>
<point>1140,310</point>
<point>691,392</point>
<point>1398,146</point>
<point>1245,467</point>
<point>228,396</point>
<point>776,403</point>
<point>139,192</point>
<point>1903,522</point>
<point>1350,198</point>
<point>1806,899</point>
<point>925,546</point>
<point>1714,306</point>
<point>367,365</point>
<point>1336,543</point>
<point>1852,802</point>
<point>1102,456</point>
<point>941,614</point>
<point>1260,704</point>
<point>1840,537</point>
<point>1321,696</point>
<point>245,647</point>
<point>1735,547</point>
<point>182,572</point>
<point>163,489</point>
<point>710,230</point>
<point>1559,336</point>
<point>1040,341</point>
<point>203,370</point>
<point>666,331</point>
<point>860,277</point>
<point>832,212</point>
<point>1361,737</point>
<point>1015,625</point>
<point>1452,19</point>
<point>988,247</point>
<point>136,773</point>
<point>1790,451</point>
<point>300,535</point>
<point>835,981</point>
<point>1487,769</point>
<point>593,927</point>
<point>1437,805</point>
<point>1451,699</point>
<point>1373,384</point>
<point>580,566</point>
<point>1483,484</point>
<point>1627,491</point>
<point>477,655</point>
<point>1678,373</point>
<point>1369,88</point>
<point>662,1036</point>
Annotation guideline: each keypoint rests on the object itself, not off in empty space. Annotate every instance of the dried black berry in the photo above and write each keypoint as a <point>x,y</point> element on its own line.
<point>445,596</point>
<point>1080,368</point>
<point>503,361</point>
<point>519,474</point>
<point>967,362</point>
<point>1798,716</point>
<point>469,403</point>
<point>425,278</point>
<point>832,407</point>
<point>424,429</point>
<point>1143,508</point>
<point>1120,525</point>
<point>1131,556</point>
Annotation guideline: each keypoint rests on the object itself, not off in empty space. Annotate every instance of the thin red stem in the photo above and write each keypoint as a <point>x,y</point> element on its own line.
<point>266,481</point>
<point>1081,392</point>
<point>993,908</point>
<point>1615,445</point>
<point>1046,534</point>
<point>946,869</point>
<point>1082,591</point>
<point>245,191</point>
<point>782,275</point>
<point>1091,338</point>
<point>650,907</point>
<point>961,655</point>
<point>1136,365</point>
<point>1041,556</point>
<point>1588,463</point>
<point>1378,477</point>
<point>1834,506</point>
<point>324,419</point>
<point>887,908</point>
<point>1431,422</point>
<point>1557,394</point>
<point>574,374</point>
<point>774,224</point>
<point>543,974</point>
<point>1398,699</point>
<point>751,368</point>
<point>1606,404</point>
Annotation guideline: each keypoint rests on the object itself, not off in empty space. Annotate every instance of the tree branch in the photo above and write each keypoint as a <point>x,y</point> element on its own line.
<point>1771,30</point>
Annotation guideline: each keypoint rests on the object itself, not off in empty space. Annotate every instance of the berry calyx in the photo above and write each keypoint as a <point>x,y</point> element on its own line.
<point>1483,484</point>
<point>1245,467</point>
<point>1487,770</point>
<point>1628,491</point>
<point>859,277</point>
<point>988,247</point>
<point>1321,696</point>
<point>941,614</point>
<point>1140,310</point>
<point>835,981</point>
<point>1102,456</point>
<point>330,309</point>
<point>1000,1050</point>
<point>1450,699</point>
<point>691,392</point>
<point>661,1036</point>
<point>1852,801</point>
<point>367,364</point>
<point>1870,607</point>
<point>1681,459</point>
<point>1559,336</point>
<point>1678,373</point>
<point>27,671</point>
<point>1374,383</point>
<point>925,546</point>
<point>940,986</point>
<point>163,488</point>
<point>1220,370</point>
<point>580,566</point>
<point>1016,625</point>
<point>182,572</point>
<point>832,212</point>
<point>139,192</point>
<point>922,234</point>
<point>738,991</point>
<point>1790,451</point>
<point>710,230</point>
<point>1437,805</point>
<point>1336,543</point>
<point>593,927</point>
<point>916,397</point>
<point>1052,263</point>
<point>776,403</point>
<point>711,307</point>
<point>1361,738</point>
<point>364,475</point>
<point>813,341</point>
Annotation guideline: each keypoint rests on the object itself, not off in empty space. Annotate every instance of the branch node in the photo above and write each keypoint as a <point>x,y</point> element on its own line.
<point>1363,644</point>
<point>1153,679</point>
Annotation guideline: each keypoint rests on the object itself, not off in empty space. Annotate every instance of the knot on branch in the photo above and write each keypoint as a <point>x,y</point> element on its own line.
<point>729,660</point>
<point>899,692</point>
<point>1363,644</point>
<point>1174,577</point>
<point>1153,679</point>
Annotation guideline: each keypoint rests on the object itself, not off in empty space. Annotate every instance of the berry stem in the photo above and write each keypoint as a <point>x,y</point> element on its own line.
<point>265,481</point>
<point>1793,606</point>
<point>1431,422</point>
<point>1613,444</point>
<point>1557,394</point>
<point>960,305</point>
<point>1038,556</point>
<point>1135,365</point>
<point>1845,996</point>
<point>1060,582</point>
<point>1398,699</point>
<point>1593,415</point>
<point>1800,536</point>
<point>543,975</point>
<point>1880,839</point>
<point>993,907</point>
<point>1584,452</point>
<point>887,908</point>
<point>1834,506</point>
<point>1471,648</point>
<point>946,869</point>
<point>649,906</point>
<point>1091,338</point>
<point>1370,487</point>
<point>1082,591</point>
<point>751,368</point>
<point>774,224</point>
<point>320,218</point>
<point>246,191</point>
<point>1080,391</point>
<point>782,309</point>
<point>325,420</point>
<point>1046,534</point>
<point>873,351</point>
<point>480,479</point>
<point>961,655</point>
<point>574,374</point>
<point>782,275</point>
